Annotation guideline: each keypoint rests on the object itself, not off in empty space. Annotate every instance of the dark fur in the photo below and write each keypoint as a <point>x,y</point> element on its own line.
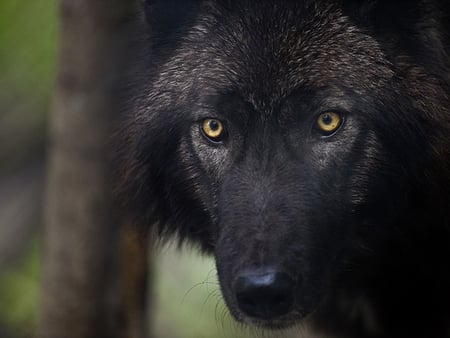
<point>361,218</point>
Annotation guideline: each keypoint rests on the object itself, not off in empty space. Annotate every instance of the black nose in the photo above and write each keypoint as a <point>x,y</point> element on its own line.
<point>266,294</point>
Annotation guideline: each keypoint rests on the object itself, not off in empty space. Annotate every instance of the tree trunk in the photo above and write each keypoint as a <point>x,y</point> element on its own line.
<point>82,293</point>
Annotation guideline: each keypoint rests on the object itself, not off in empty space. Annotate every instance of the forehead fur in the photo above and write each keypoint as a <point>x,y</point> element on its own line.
<point>265,50</point>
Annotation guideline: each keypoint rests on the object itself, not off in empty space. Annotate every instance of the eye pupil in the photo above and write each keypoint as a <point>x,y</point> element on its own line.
<point>327,119</point>
<point>214,125</point>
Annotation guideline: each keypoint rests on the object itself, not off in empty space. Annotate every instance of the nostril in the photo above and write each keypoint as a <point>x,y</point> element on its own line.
<point>266,294</point>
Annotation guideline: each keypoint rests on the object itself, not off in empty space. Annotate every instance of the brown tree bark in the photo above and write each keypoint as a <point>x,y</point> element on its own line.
<point>82,294</point>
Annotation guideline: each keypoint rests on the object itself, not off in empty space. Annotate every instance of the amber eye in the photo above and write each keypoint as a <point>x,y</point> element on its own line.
<point>213,129</point>
<point>329,122</point>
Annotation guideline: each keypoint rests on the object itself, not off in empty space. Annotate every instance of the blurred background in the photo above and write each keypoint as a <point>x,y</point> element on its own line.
<point>28,32</point>
<point>186,300</point>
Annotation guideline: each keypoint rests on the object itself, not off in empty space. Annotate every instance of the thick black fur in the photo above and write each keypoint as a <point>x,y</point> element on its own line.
<point>360,218</point>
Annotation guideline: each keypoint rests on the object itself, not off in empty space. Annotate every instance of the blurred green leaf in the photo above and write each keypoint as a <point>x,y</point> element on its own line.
<point>27,47</point>
<point>27,69</point>
<point>19,292</point>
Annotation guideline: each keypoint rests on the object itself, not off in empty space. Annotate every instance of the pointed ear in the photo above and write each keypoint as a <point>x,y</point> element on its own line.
<point>169,18</point>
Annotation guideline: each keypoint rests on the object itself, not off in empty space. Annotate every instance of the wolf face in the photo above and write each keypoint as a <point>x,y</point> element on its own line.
<point>309,153</point>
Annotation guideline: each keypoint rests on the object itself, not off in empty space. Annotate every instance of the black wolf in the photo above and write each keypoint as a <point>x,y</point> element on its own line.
<point>306,145</point>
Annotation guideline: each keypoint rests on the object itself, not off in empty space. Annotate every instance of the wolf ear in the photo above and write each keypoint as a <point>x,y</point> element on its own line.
<point>169,18</point>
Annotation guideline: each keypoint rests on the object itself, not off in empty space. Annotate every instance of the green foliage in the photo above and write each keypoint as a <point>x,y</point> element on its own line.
<point>27,59</point>
<point>27,47</point>
<point>19,292</point>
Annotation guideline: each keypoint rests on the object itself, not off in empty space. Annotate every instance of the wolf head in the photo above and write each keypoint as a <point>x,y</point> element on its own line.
<point>305,144</point>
